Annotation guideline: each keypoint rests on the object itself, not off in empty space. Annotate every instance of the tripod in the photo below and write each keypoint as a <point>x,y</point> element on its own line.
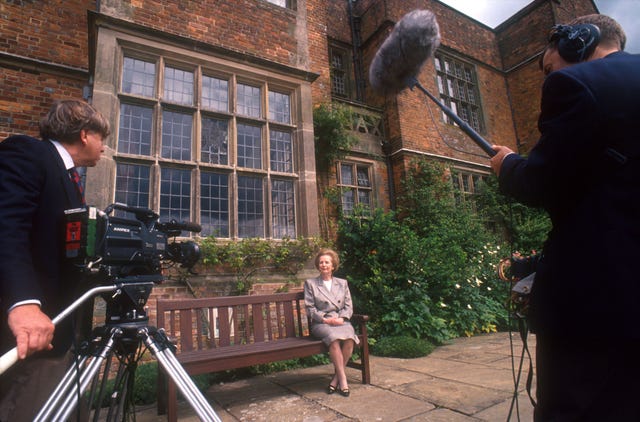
<point>125,332</point>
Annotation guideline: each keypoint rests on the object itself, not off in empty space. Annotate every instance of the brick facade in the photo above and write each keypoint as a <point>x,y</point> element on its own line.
<point>68,49</point>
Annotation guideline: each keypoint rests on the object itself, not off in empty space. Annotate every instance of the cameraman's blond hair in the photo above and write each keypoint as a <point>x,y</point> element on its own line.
<point>66,118</point>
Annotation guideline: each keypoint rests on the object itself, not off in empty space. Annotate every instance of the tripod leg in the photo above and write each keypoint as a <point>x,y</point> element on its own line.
<point>62,389</point>
<point>172,367</point>
<point>100,386</point>
<point>65,398</point>
<point>121,389</point>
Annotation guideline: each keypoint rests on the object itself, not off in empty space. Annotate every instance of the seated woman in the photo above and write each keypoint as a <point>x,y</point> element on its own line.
<point>328,303</point>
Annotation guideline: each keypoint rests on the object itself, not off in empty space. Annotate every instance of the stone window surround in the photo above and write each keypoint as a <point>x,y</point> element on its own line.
<point>110,44</point>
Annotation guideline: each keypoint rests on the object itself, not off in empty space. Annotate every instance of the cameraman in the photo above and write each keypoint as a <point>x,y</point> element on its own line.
<point>36,283</point>
<point>585,172</point>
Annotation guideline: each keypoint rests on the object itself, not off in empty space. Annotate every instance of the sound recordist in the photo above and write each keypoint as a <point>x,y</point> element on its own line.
<point>584,171</point>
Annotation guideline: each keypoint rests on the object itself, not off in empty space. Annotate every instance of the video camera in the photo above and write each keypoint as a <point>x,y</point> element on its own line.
<point>126,252</point>
<point>115,247</point>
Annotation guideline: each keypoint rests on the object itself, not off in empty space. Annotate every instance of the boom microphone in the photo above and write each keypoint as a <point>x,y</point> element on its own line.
<point>411,42</point>
<point>400,57</point>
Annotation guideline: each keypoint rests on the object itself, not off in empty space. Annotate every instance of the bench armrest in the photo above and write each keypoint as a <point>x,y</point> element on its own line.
<point>359,319</point>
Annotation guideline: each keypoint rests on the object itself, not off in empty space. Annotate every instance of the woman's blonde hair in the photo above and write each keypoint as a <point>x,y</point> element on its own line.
<point>335,259</point>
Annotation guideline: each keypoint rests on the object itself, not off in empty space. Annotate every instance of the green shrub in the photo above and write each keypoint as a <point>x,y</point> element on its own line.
<point>427,271</point>
<point>145,385</point>
<point>146,382</point>
<point>402,347</point>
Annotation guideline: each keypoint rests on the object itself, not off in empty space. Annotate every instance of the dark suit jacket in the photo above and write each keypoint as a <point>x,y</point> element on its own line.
<point>35,189</point>
<point>585,171</point>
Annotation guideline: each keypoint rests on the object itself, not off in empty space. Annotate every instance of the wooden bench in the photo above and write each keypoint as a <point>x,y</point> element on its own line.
<point>221,333</point>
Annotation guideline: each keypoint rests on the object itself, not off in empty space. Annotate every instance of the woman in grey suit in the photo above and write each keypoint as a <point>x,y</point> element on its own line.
<point>328,303</point>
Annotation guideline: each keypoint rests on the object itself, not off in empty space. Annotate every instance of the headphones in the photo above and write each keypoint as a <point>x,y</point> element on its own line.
<point>575,42</point>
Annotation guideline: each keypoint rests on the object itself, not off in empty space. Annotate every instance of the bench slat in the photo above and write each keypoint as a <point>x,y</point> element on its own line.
<point>258,322</point>
<point>225,328</point>
<point>289,325</point>
<point>186,329</point>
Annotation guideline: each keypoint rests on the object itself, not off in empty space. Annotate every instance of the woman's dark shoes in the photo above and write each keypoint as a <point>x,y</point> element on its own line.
<point>332,389</point>
<point>344,392</point>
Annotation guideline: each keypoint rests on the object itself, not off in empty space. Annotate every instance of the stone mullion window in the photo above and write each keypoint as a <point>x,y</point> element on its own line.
<point>354,182</point>
<point>458,88</point>
<point>341,72</point>
<point>194,144</point>
<point>466,184</point>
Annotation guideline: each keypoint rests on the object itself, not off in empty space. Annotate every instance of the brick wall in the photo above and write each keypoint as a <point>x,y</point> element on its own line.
<point>45,54</point>
<point>26,96</point>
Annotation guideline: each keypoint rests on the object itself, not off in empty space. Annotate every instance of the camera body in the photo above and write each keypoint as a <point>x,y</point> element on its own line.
<point>118,247</point>
<point>128,252</point>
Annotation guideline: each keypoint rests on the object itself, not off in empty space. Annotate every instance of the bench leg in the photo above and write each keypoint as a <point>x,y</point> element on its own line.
<point>366,372</point>
<point>161,394</point>
<point>167,396</point>
<point>172,402</point>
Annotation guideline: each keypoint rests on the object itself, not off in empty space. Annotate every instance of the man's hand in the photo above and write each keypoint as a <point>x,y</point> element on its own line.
<point>32,329</point>
<point>496,160</point>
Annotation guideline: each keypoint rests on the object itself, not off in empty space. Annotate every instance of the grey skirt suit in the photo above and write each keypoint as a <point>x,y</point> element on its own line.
<point>322,303</point>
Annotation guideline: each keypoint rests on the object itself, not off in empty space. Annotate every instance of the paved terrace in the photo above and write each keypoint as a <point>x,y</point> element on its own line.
<point>469,379</point>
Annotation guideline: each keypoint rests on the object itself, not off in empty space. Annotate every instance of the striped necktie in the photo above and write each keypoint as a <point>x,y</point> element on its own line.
<point>75,178</point>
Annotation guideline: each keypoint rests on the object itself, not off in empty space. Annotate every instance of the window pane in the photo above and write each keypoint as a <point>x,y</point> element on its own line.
<point>363,176</point>
<point>138,77</point>
<point>364,198</point>
<point>248,100</point>
<point>338,73</point>
<point>176,135</point>
<point>215,141</point>
<point>346,174</point>
<point>283,210</point>
<point>134,134</point>
<point>215,93</point>
<point>348,201</point>
<point>440,85</point>
<point>214,204</point>
<point>178,86</point>
<point>175,194</point>
<point>249,146</point>
<point>455,178</point>
<point>279,107</point>
<point>132,185</point>
<point>281,151</point>
<point>465,183</point>
<point>250,207</point>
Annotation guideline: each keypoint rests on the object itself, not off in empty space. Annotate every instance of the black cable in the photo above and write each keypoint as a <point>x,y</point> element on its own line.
<point>523,331</point>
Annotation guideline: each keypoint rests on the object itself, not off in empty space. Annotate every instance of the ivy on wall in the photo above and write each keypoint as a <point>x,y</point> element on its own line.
<point>249,257</point>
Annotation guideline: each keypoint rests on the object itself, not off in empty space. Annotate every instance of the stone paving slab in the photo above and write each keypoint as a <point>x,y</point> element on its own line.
<point>468,380</point>
<point>460,397</point>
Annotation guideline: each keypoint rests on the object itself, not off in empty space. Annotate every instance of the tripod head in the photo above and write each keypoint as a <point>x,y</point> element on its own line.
<point>126,305</point>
